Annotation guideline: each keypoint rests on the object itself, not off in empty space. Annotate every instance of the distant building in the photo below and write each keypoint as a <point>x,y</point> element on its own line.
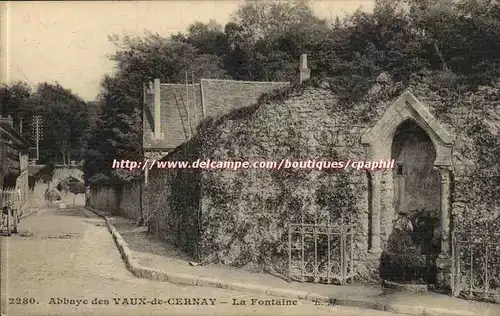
<point>13,159</point>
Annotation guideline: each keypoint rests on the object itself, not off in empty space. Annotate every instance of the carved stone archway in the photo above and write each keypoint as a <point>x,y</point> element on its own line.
<point>378,140</point>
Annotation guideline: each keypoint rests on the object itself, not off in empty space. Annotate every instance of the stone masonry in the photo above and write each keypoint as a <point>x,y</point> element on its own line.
<point>242,215</point>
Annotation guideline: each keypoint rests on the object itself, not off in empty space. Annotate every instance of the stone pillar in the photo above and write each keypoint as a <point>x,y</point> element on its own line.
<point>304,72</point>
<point>443,262</point>
<point>375,216</point>
<point>444,180</point>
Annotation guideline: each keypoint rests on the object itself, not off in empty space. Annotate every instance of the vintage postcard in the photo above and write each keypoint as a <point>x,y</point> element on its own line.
<point>294,157</point>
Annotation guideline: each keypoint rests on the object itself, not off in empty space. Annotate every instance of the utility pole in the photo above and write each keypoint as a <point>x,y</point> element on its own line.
<point>186,104</point>
<point>37,137</point>
<point>37,131</point>
<point>194,101</point>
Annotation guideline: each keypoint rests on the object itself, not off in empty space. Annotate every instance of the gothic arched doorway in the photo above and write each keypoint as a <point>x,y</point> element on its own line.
<point>413,244</point>
<point>424,188</point>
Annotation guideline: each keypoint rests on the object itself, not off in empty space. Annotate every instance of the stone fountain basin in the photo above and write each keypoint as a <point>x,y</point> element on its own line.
<point>405,287</point>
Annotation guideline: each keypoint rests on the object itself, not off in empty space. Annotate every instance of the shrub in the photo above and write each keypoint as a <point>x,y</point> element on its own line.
<point>77,187</point>
<point>45,174</point>
<point>52,195</point>
<point>402,261</point>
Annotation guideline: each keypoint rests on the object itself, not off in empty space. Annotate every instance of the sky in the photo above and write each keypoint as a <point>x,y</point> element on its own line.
<point>67,42</point>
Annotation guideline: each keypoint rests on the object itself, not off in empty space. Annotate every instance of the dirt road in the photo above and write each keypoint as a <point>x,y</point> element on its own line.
<point>64,262</point>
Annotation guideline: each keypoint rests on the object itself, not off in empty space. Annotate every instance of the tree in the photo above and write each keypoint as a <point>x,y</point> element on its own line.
<point>118,131</point>
<point>140,59</point>
<point>15,101</point>
<point>65,119</point>
<point>263,20</point>
<point>207,38</point>
<point>64,113</point>
<point>72,185</point>
<point>60,130</point>
<point>266,39</point>
<point>455,36</point>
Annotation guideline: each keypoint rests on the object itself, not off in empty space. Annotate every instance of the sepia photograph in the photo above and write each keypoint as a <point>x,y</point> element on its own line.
<point>250,157</point>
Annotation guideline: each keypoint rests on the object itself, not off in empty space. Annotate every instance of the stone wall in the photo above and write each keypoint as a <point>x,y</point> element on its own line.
<point>103,197</point>
<point>36,195</point>
<point>171,200</point>
<point>245,213</point>
<point>22,185</point>
<point>123,200</point>
<point>69,198</point>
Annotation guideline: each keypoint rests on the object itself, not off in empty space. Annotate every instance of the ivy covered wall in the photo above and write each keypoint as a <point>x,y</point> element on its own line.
<point>171,200</point>
<point>243,215</point>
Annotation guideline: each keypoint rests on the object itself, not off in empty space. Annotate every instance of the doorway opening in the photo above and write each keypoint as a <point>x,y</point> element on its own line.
<point>414,242</point>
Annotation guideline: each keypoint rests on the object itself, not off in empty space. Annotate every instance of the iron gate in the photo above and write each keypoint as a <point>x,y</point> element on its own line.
<point>320,252</point>
<point>476,266</point>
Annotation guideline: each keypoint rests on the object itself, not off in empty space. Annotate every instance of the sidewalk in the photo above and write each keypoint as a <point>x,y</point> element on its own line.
<point>153,259</point>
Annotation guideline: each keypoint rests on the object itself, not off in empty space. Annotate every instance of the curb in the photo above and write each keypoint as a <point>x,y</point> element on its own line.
<point>187,279</point>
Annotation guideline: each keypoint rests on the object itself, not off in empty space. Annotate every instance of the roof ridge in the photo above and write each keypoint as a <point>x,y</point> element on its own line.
<point>13,134</point>
<point>222,80</point>
<point>180,84</point>
<point>242,81</point>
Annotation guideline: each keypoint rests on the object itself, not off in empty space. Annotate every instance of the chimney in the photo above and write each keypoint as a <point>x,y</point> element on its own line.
<point>157,115</point>
<point>304,72</point>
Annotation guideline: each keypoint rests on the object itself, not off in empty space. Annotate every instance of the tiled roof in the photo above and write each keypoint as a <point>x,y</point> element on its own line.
<point>11,137</point>
<point>212,98</point>
<point>223,96</point>
<point>179,116</point>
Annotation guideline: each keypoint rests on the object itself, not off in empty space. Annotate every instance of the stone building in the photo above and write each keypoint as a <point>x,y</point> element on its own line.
<point>243,217</point>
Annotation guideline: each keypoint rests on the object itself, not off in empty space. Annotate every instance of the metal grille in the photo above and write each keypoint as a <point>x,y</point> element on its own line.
<point>9,196</point>
<point>476,266</point>
<point>320,253</point>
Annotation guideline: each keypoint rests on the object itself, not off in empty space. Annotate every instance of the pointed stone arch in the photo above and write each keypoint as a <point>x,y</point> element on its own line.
<point>378,141</point>
<point>407,107</point>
